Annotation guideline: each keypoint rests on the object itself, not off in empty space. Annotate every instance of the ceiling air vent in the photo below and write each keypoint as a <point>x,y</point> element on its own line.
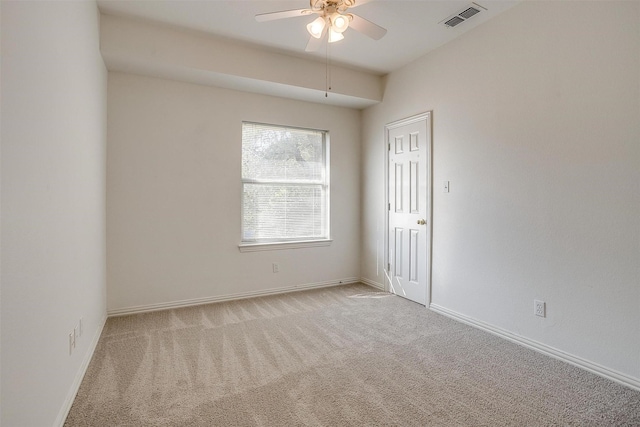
<point>454,21</point>
<point>462,15</point>
<point>469,12</point>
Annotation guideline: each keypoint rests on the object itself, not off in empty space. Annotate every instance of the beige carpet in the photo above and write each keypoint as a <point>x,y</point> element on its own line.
<point>347,355</point>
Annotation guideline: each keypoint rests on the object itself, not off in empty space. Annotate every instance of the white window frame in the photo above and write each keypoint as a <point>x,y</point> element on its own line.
<point>279,244</point>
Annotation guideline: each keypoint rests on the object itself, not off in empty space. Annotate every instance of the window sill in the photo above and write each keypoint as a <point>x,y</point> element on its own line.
<point>254,247</point>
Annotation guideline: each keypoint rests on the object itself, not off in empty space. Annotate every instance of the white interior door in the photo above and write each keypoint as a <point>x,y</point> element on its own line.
<point>409,218</point>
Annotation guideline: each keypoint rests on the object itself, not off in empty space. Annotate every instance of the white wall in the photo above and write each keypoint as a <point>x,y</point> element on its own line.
<point>174,193</point>
<point>537,126</point>
<point>147,48</point>
<point>0,216</point>
<point>53,203</point>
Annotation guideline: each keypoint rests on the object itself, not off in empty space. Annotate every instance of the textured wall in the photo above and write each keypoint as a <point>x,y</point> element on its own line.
<point>174,193</point>
<point>537,127</point>
<point>53,203</point>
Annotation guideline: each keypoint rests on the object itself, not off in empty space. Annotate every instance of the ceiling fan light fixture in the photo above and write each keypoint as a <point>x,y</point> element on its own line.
<point>316,27</point>
<point>332,21</point>
<point>334,36</point>
<point>339,22</point>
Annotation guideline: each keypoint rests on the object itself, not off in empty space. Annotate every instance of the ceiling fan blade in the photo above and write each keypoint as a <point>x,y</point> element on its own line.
<point>314,43</point>
<point>367,28</point>
<point>271,16</point>
<point>359,3</point>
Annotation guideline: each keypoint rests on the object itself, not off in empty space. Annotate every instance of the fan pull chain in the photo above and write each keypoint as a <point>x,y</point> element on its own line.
<point>327,72</point>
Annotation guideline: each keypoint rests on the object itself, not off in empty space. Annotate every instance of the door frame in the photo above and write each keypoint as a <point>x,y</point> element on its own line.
<point>429,214</point>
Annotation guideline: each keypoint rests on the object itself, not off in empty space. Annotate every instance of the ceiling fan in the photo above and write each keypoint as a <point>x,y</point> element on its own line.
<point>332,21</point>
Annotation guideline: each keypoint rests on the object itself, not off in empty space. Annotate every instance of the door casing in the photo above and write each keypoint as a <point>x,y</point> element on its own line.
<point>427,116</point>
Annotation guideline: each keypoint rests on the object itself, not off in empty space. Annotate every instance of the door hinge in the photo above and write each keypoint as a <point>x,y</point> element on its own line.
<point>389,147</point>
<point>389,267</point>
<point>389,206</point>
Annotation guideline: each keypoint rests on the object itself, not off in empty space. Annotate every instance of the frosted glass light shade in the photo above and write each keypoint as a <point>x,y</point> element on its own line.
<point>339,23</point>
<point>334,36</point>
<point>316,27</point>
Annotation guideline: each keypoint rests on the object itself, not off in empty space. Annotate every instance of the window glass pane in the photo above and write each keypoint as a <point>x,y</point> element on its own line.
<point>284,184</point>
<point>283,212</point>
<point>282,154</point>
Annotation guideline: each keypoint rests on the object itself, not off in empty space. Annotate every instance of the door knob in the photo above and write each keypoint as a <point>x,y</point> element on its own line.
<point>421,222</point>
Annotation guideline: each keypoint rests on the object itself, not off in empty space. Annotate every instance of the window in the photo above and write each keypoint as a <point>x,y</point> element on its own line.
<point>284,186</point>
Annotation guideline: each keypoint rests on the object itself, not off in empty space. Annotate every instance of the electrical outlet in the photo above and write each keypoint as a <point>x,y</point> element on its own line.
<point>539,308</point>
<point>276,267</point>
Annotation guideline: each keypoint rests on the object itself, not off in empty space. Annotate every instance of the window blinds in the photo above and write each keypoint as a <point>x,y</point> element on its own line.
<point>284,184</point>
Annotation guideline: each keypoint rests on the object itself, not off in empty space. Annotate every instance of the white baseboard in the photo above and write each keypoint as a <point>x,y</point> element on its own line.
<point>229,297</point>
<point>373,284</point>
<point>595,368</point>
<point>75,386</point>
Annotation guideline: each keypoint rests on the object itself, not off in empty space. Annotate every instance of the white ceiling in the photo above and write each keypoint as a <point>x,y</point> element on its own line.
<point>413,28</point>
